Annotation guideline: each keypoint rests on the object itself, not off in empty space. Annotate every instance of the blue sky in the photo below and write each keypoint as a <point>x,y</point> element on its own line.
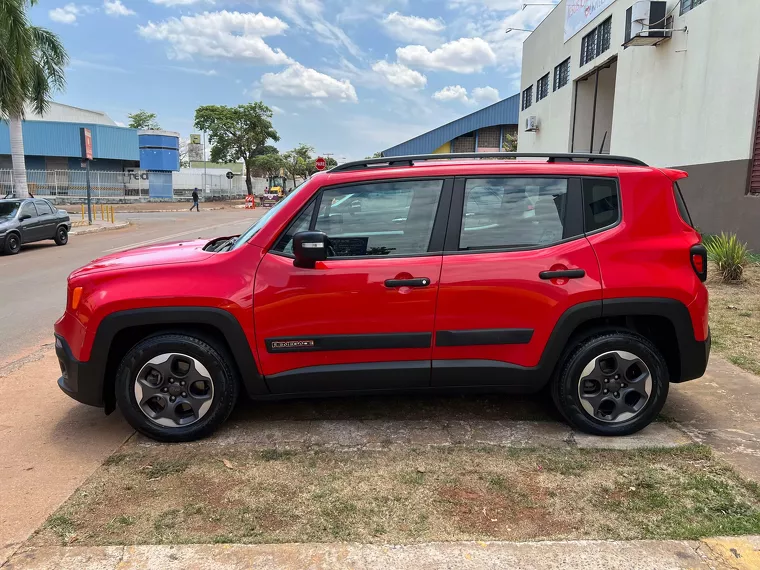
<point>348,77</point>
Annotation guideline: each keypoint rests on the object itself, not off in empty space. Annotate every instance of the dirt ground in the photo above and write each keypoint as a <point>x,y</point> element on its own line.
<point>735,318</point>
<point>171,495</point>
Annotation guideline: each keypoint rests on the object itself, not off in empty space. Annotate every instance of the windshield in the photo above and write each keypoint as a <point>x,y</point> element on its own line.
<point>250,232</point>
<point>8,209</point>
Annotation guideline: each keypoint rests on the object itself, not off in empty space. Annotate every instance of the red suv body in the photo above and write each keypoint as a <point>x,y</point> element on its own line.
<point>407,274</point>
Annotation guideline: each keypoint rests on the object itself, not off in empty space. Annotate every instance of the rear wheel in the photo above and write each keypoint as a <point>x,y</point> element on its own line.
<point>12,244</point>
<point>612,384</point>
<point>61,236</point>
<point>175,388</point>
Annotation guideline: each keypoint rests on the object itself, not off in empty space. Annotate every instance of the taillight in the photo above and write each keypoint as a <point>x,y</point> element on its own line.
<point>698,255</point>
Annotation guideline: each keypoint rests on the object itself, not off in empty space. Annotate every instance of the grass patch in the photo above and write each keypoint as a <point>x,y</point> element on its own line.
<point>407,495</point>
<point>162,468</point>
<point>735,318</point>
<point>276,454</point>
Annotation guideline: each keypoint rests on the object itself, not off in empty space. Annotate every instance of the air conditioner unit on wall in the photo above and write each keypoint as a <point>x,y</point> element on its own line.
<point>531,123</point>
<point>646,23</point>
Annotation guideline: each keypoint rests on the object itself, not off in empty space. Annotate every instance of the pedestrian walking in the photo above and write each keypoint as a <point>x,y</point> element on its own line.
<point>195,201</point>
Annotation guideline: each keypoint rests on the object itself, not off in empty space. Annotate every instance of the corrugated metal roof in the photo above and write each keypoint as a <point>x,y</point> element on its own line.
<point>48,138</point>
<point>504,112</point>
<point>61,113</point>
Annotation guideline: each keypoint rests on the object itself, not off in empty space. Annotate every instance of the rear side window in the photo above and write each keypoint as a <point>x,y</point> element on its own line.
<point>601,203</point>
<point>513,212</point>
<point>43,208</point>
<point>681,203</point>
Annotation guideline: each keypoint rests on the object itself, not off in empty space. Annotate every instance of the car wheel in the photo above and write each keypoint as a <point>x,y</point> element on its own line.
<point>612,384</point>
<point>61,236</point>
<point>175,388</point>
<point>12,244</point>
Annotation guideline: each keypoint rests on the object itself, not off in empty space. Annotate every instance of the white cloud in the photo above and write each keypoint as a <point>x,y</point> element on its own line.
<point>193,70</point>
<point>452,93</point>
<point>277,110</point>
<point>120,124</point>
<point>413,28</point>
<point>232,35</point>
<point>81,63</point>
<point>308,15</point>
<point>466,55</point>
<point>180,2</point>
<point>400,75</point>
<point>303,82</point>
<point>116,8</point>
<point>65,15</point>
<point>485,94</point>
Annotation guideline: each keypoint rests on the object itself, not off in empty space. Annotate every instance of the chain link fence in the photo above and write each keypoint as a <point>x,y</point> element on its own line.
<point>133,184</point>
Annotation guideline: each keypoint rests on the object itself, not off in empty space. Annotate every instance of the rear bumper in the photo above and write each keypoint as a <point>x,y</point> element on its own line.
<point>694,359</point>
<point>78,379</point>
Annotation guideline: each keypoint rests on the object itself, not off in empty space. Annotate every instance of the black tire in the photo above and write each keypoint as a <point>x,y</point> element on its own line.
<point>565,386</point>
<point>61,236</point>
<point>12,244</point>
<point>223,376</point>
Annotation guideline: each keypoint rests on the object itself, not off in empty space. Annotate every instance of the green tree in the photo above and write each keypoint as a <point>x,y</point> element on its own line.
<point>237,133</point>
<point>143,120</point>
<point>32,64</point>
<point>376,155</point>
<point>331,162</point>
<point>299,162</point>
<point>267,165</point>
<point>509,144</point>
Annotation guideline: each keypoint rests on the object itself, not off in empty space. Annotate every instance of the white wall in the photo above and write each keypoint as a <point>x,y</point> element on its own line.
<point>690,100</point>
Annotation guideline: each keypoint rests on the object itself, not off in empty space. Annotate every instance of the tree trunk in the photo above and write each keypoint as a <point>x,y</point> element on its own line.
<point>17,158</point>
<point>248,182</point>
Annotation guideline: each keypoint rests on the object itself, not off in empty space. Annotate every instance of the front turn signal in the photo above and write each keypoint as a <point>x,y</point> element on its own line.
<point>76,296</point>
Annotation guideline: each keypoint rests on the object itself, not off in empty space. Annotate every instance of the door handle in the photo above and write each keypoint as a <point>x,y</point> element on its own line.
<point>563,274</point>
<point>416,282</point>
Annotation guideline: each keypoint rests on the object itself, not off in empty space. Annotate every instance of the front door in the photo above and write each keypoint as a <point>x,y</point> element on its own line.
<point>30,228</point>
<point>363,319</point>
<point>516,260</point>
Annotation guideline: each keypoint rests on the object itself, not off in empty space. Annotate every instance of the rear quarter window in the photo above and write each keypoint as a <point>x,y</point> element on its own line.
<point>601,203</point>
<point>681,203</point>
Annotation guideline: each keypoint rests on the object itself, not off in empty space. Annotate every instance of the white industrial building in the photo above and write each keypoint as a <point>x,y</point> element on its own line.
<point>674,83</point>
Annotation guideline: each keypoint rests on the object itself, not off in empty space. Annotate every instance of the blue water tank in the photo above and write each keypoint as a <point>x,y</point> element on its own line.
<point>159,151</point>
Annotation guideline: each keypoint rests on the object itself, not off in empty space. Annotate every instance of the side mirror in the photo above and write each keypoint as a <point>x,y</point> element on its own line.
<point>23,217</point>
<point>308,248</point>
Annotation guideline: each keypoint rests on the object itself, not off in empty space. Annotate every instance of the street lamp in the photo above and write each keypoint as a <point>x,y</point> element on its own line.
<point>526,4</point>
<point>517,30</point>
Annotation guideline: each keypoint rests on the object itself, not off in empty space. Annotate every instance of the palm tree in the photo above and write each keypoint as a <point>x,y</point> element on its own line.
<point>32,63</point>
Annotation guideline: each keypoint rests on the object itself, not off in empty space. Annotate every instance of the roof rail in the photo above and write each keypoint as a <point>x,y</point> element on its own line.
<point>391,161</point>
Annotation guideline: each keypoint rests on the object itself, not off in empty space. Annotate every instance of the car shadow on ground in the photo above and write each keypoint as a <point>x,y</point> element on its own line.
<point>536,407</point>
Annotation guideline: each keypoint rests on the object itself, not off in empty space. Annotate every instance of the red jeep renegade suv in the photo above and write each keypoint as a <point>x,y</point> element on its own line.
<point>580,273</point>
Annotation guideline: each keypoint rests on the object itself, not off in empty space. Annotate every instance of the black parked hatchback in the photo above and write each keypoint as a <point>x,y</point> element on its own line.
<point>31,219</point>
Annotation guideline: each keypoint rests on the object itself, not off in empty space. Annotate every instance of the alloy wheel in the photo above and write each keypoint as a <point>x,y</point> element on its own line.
<point>615,386</point>
<point>174,390</point>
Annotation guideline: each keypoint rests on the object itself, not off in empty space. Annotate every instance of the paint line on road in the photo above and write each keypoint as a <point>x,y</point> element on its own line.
<point>167,238</point>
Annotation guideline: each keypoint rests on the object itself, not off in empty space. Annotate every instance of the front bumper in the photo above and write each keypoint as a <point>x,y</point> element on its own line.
<point>78,380</point>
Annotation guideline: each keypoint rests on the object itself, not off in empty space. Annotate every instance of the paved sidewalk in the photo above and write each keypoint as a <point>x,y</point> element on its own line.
<point>97,226</point>
<point>718,554</point>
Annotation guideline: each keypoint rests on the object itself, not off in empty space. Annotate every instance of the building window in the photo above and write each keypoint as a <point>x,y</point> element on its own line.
<point>527,98</point>
<point>687,5</point>
<point>562,74</point>
<point>542,88</point>
<point>596,42</point>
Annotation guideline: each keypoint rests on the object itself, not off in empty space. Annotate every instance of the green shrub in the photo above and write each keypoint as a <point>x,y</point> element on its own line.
<point>729,254</point>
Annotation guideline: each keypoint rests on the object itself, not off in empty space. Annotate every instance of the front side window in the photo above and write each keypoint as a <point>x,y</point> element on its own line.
<point>28,210</point>
<point>513,212</point>
<point>389,218</point>
<point>601,205</point>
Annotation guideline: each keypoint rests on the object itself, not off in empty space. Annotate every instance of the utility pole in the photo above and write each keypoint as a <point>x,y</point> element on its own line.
<point>204,163</point>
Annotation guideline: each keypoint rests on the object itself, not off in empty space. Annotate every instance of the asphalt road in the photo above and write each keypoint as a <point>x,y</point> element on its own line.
<point>33,283</point>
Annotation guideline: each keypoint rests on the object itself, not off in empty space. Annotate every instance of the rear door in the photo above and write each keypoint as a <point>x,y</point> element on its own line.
<point>363,319</point>
<point>46,219</point>
<point>516,260</point>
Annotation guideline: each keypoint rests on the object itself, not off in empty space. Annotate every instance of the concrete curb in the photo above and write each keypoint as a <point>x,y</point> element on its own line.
<point>84,230</point>
<point>582,554</point>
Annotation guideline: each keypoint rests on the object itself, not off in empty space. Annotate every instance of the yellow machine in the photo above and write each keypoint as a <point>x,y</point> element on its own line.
<point>277,185</point>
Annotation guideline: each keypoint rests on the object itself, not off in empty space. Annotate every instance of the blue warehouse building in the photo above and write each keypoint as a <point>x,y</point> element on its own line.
<point>52,144</point>
<point>481,131</point>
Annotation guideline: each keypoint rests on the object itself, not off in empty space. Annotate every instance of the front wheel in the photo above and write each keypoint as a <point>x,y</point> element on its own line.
<point>612,384</point>
<point>61,236</point>
<point>175,388</point>
<point>12,244</point>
